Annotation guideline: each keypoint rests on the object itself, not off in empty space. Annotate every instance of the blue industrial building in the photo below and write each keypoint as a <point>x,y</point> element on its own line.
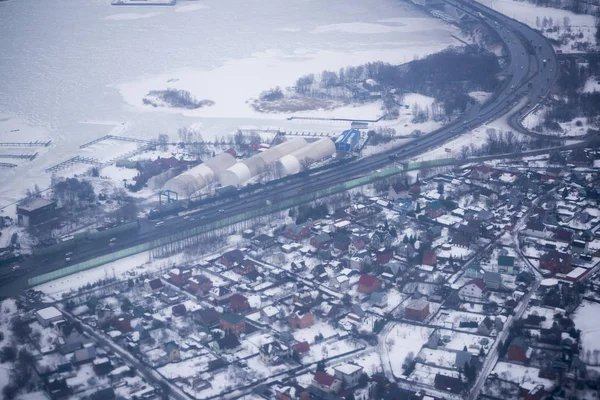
<point>348,140</point>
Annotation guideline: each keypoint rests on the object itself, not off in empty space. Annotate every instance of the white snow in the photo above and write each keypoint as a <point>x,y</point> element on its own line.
<point>521,374</point>
<point>592,85</point>
<point>401,340</point>
<point>586,319</point>
<point>63,92</point>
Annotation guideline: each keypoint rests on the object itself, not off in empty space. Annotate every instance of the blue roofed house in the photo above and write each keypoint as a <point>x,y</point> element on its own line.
<point>506,264</point>
<point>348,140</point>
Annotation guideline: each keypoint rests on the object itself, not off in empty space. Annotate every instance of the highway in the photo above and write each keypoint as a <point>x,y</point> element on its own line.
<point>526,49</point>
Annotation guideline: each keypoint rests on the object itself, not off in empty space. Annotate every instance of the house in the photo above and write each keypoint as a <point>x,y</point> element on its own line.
<point>244,268</point>
<point>341,241</point>
<point>153,285</point>
<point>73,337</point>
<point>462,358</point>
<point>492,280</point>
<point>232,322</point>
<point>406,251</point>
<point>263,242</point>
<point>220,294</point>
<point>48,315</point>
<point>485,326</point>
<point>474,289</point>
<point>474,272</point>
<point>417,309</point>
<point>519,350</point>
<point>348,373</point>
<point>321,240</point>
<point>269,314</point>
<point>122,324</point>
<point>506,264</point>
<point>104,394</point>
<point>238,303</point>
<point>232,257</point>
<point>383,255</point>
<point>291,392</point>
<point>380,238</point>
<point>448,383</point>
<point>200,285</point>
<point>481,172</point>
<point>340,282</point>
<point>434,209</point>
<point>368,284</point>
<point>328,383</point>
<point>207,316</point>
<point>532,391</point>
<point>296,232</point>
<point>179,277</point>
<point>556,262</point>
<point>102,366</point>
<point>301,348</point>
<point>564,235</point>
<point>378,299</point>
<point>35,211</point>
<point>429,258</point>
<point>84,355</point>
<point>319,273</point>
<point>433,232</point>
<point>397,191</point>
<point>273,352</point>
<point>579,247</point>
<point>300,320</point>
<point>172,352</point>
<point>178,310</point>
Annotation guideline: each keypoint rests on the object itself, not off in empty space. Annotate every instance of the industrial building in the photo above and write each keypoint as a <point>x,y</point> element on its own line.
<point>198,178</point>
<point>36,211</point>
<point>245,170</point>
<point>299,159</point>
<point>348,140</point>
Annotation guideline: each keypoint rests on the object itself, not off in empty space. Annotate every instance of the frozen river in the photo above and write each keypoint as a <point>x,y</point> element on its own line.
<point>74,70</point>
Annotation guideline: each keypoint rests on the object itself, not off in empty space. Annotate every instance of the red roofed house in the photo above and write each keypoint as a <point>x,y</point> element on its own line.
<point>429,258</point>
<point>153,285</point>
<point>301,348</point>
<point>519,350</point>
<point>417,310</point>
<point>238,302</point>
<point>301,320</point>
<point>122,324</point>
<point>556,262</point>
<point>368,284</point>
<point>564,235</point>
<point>434,209</point>
<point>296,232</point>
<point>232,257</point>
<point>244,268</point>
<point>326,382</point>
<point>383,256</point>
<point>474,289</point>
<point>180,277</point>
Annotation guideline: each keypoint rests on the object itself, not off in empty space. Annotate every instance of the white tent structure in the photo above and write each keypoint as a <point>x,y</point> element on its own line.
<point>296,161</point>
<point>243,171</point>
<point>197,178</point>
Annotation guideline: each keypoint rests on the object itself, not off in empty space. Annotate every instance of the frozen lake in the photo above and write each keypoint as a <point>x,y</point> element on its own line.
<point>74,70</point>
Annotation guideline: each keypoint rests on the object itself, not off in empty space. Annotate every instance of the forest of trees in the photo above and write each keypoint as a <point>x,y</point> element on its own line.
<point>73,194</point>
<point>446,76</point>
<point>500,142</point>
<point>175,98</point>
<point>573,102</point>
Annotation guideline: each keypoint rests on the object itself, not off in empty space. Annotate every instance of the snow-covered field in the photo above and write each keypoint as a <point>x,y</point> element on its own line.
<point>402,340</point>
<point>585,320</point>
<point>75,85</point>
<point>520,374</point>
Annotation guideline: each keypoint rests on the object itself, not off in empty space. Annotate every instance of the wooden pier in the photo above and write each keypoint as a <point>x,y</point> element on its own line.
<point>113,137</point>
<point>73,161</point>
<point>37,143</point>
<point>28,157</point>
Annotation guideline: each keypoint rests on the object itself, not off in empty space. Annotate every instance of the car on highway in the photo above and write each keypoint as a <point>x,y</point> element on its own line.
<point>68,259</point>
<point>159,224</point>
<point>69,254</point>
<point>203,217</point>
<point>221,210</point>
<point>186,217</point>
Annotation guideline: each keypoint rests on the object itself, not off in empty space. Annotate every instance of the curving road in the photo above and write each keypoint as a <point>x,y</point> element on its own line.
<point>528,77</point>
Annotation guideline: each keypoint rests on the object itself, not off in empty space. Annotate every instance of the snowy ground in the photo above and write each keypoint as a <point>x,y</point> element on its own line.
<point>534,16</point>
<point>60,91</point>
<point>585,319</point>
<point>520,374</point>
<point>402,340</point>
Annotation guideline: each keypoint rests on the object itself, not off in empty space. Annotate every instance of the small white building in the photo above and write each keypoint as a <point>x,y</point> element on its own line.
<point>474,289</point>
<point>348,373</point>
<point>47,315</point>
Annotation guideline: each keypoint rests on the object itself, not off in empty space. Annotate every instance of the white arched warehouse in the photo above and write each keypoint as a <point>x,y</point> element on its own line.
<point>197,178</point>
<point>296,161</point>
<point>243,171</point>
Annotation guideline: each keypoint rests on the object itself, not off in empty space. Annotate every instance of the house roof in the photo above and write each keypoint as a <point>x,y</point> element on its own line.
<point>462,357</point>
<point>489,276</point>
<point>449,383</point>
<point>235,255</point>
<point>155,283</point>
<point>179,309</point>
<point>302,347</point>
<point>229,341</point>
<point>348,368</point>
<point>417,304</point>
<point>49,313</point>
<point>477,282</point>
<point>367,280</point>
<point>263,238</point>
<point>429,257</point>
<point>208,315</point>
<point>520,342</point>
<point>322,238</point>
<point>564,235</point>
<point>323,378</point>
<point>487,322</point>
<point>506,261</point>
<point>232,318</point>
<point>237,298</point>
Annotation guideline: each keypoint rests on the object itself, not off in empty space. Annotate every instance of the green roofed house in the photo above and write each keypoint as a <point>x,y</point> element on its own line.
<point>506,264</point>
<point>234,323</point>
